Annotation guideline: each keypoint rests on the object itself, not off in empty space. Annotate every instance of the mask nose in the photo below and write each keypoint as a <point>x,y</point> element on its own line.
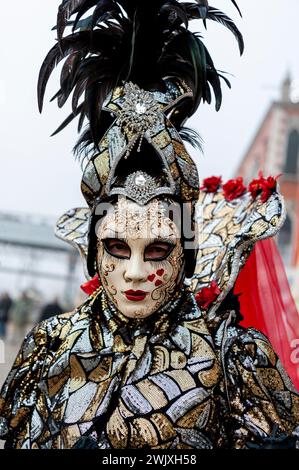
<point>136,269</point>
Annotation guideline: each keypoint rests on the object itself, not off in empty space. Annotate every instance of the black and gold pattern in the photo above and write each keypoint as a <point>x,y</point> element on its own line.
<point>161,383</point>
<point>72,227</point>
<point>181,378</point>
<point>259,404</point>
<point>227,232</point>
<point>98,177</point>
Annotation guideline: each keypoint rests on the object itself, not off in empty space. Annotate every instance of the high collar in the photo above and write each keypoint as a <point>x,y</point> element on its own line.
<point>121,330</point>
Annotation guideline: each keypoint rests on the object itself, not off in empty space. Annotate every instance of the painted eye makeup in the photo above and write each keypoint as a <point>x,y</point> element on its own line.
<point>117,248</point>
<point>158,251</point>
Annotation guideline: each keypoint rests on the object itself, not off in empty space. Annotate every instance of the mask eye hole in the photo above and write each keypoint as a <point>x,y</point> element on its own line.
<point>157,251</point>
<point>117,248</point>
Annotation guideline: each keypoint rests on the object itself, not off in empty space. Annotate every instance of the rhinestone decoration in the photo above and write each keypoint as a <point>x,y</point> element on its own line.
<point>140,187</point>
<point>140,180</point>
<point>140,113</point>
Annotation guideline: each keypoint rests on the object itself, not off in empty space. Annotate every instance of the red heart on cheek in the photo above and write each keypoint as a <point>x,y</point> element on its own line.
<point>158,283</point>
<point>151,277</point>
<point>160,272</point>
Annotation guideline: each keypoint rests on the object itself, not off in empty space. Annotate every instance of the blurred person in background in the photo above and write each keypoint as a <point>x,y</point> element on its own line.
<point>20,316</point>
<point>51,309</point>
<point>5,305</point>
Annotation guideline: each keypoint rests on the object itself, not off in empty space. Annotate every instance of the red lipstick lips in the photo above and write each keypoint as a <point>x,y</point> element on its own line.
<point>135,295</point>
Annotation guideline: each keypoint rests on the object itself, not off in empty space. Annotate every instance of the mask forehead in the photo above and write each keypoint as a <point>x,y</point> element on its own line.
<point>129,221</point>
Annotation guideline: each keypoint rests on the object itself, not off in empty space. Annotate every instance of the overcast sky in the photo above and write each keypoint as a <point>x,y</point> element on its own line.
<point>38,173</point>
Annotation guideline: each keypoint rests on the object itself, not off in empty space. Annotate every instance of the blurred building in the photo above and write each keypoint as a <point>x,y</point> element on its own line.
<point>31,257</point>
<point>275,150</point>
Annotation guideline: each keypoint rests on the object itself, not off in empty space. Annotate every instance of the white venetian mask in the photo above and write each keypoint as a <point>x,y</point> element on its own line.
<point>140,258</point>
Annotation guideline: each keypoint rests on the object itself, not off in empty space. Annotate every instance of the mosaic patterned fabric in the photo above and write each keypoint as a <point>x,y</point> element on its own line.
<point>227,231</point>
<point>91,378</point>
<point>72,227</point>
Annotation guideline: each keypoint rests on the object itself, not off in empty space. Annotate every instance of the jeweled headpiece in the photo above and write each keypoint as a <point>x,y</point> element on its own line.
<point>136,73</point>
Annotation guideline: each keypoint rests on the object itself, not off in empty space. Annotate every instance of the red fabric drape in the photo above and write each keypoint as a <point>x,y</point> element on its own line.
<point>267,304</point>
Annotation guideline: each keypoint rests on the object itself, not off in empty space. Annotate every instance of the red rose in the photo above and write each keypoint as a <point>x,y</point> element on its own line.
<point>206,296</point>
<point>210,185</point>
<point>254,187</point>
<point>234,188</point>
<point>263,186</point>
<point>91,286</point>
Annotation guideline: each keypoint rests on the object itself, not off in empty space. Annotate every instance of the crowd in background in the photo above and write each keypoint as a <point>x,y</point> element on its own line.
<point>19,315</point>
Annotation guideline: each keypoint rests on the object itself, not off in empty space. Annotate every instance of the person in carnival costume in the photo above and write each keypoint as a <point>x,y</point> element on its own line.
<point>156,357</point>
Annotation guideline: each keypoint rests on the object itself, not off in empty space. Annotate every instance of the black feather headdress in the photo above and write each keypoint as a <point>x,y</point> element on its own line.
<point>142,41</point>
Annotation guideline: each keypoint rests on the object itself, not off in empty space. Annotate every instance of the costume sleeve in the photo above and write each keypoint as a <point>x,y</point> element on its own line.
<point>20,391</point>
<point>260,403</point>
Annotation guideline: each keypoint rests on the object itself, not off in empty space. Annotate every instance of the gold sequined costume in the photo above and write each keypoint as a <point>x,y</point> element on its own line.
<point>187,376</point>
<point>89,377</point>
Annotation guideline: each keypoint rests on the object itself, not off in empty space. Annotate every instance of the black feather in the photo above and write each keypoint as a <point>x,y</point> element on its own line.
<point>203,7</point>
<point>236,5</point>
<point>73,43</point>
<point>142,41</point>
<point>105,9</point>
<point>192,137</point>
<point>78,92</point>
<point>67,77</point>
<point>175,14</point>
<point>85,6</point>
<point>65,11</point>
<point>68,120</point>
<point>82,117</point>
<point>219,17</point>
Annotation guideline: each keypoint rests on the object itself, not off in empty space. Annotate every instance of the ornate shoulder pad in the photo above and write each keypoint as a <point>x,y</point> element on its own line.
<point>227,232</point>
